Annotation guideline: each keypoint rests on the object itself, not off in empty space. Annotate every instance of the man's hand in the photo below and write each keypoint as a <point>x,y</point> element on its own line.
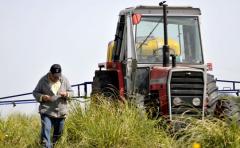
<point>63,94</point>
<point>46,98</point>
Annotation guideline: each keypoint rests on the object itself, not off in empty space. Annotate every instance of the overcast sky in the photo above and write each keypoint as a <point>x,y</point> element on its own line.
<point>34,34</point>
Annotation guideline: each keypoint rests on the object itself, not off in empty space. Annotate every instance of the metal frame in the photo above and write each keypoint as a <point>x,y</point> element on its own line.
<point>15,102</point>
<point>229,90</point>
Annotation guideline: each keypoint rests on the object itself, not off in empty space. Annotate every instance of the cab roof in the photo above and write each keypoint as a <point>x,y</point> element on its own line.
<point>158,10</point>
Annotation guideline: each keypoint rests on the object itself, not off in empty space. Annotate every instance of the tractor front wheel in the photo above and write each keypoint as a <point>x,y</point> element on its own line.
<point>227,109</point>
<point>222,107</point>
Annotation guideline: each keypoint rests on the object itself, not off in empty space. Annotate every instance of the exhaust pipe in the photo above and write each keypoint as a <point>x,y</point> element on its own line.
<point>165,46</point>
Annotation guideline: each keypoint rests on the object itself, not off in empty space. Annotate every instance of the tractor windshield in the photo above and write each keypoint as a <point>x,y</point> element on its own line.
<point>183,39</point>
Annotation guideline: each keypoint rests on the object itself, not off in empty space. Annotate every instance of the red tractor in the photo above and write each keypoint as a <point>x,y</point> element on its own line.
<point>157,59</point>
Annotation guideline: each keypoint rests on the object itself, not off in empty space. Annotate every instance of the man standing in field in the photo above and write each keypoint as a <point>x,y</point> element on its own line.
<point>52,92</point>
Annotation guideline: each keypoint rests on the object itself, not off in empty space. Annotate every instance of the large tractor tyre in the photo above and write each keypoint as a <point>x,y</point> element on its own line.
<point>105,83</point>
<point>221,107</point>
<point>152,104</point>
<point>228,110</point>
<point>212,94</point>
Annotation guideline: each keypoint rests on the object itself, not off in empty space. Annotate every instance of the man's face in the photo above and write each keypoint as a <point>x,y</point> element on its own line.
<point>54,78</point>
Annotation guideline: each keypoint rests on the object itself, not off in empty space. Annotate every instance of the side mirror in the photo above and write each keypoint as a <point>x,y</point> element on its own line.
<point>136,18</point>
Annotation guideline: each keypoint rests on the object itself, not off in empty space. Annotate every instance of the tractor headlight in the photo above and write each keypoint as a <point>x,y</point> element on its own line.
<point>177,101</point>
<point>196,101</point>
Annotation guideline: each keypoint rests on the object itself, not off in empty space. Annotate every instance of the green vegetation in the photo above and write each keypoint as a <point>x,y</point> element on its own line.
<point>19,131</point>
<point>107,124</point>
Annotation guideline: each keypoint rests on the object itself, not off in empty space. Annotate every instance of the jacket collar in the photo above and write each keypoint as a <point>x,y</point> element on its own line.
<point>46,78</point>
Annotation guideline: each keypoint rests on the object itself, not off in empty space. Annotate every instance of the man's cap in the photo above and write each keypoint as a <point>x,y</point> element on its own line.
<point>56,70</point>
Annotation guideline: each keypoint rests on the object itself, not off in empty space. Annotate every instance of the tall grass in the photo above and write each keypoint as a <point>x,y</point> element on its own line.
<point>19,131</point>
<point>209,133</point>
<point>108,124</point>
<point>113,124</point>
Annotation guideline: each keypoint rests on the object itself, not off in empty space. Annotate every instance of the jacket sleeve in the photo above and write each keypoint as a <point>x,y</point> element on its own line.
<point>37,92</point>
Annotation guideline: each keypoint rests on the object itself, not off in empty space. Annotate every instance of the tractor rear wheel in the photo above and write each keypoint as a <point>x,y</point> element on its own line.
<point>105,83</point>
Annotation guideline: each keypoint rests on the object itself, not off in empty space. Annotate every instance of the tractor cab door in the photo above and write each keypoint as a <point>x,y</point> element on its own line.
<point>129,56</point>
<point>124,51</point>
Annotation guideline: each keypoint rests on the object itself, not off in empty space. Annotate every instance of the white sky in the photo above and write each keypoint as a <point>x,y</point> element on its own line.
<point>34,34</point>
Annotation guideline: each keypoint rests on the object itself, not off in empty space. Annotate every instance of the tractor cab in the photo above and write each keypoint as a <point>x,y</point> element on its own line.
<point>147,35</point>
<point>157,59</point>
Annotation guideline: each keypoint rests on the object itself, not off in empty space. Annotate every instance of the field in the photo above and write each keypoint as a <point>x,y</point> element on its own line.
<point>107,124</point>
